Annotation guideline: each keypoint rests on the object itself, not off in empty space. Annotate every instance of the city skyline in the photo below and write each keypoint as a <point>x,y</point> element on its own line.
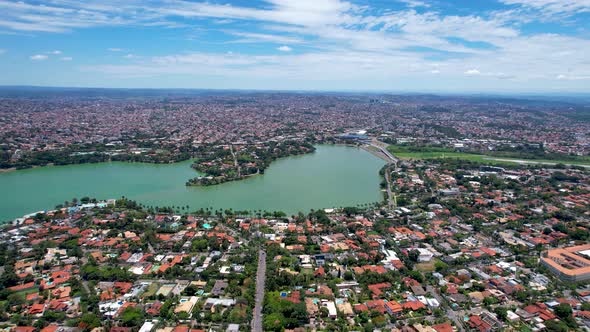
<point>498,46</point>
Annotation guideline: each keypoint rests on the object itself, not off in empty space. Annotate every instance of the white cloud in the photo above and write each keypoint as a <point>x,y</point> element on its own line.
<point>248,37</point>
<point>316,66</point>
<point>563,77</point>
<point>414,3</point>
<point>338,69</point>
<point>567,7</point>
<point>66,58</point>
<point>342,39</point>
<point>284,48</point>
<point>54,52</point>
<point>38,57</point>
<point>65,15</point>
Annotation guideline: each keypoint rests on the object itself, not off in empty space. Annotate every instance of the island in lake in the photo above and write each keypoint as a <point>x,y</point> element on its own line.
<point>232,162</point>
<point>315,180</point>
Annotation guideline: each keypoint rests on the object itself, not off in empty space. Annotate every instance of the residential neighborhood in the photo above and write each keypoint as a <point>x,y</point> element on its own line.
<point>295,166</point>
<point>465,248</point>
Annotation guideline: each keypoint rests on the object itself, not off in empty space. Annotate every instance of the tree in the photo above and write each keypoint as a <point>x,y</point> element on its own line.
<point>191,290</point>
<point>490,300</point>
<point>200,245</point>
<point>563,310</point>
<point>413,255</point>
<point>350,210</point>
<point>15,299</point>
<point>556,326</point>
<point>274,322</point>
<point>132,316</point>
<point>441,266</point>
<point>9,277</point>
<point>502,313</point>
<point>89,321</point>
<point>348,276</point>
<point>183,315</point>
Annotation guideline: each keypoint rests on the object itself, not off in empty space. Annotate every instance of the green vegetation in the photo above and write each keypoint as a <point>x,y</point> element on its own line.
<point>427,152</point>
<point>132,316</point>
<point>447,131</point>
<point>221,164</point>
<point>280,314</point>
<point>91,271</point>
<point>84,154</point>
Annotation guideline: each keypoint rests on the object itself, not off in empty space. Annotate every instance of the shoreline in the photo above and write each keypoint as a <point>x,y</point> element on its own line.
<point>192,160</point>
<point>375,153</point>
<point>196,180</point>
<point>186,164</point>
<point>7,170</point>
<point>14,169</point>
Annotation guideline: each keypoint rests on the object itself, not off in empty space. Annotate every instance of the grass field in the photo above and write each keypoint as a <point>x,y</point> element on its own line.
<point>152,289</point>
<point>404,153</point>
<point>426,266</point>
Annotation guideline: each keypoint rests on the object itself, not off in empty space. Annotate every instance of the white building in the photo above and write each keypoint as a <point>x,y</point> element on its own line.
<point>425,255</point>
<point>332,313</point>
<point>147,326</point>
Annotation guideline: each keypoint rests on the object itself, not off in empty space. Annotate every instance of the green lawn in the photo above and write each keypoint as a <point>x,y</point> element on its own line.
<point>152,289</point>
<point>404,153</point>
<point>28,291</point>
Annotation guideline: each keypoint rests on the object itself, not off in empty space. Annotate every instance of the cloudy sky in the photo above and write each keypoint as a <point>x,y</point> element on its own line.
<point>385,45</point>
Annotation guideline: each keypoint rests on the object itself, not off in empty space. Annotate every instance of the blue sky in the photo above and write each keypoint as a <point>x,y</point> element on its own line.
<point>458,46</point>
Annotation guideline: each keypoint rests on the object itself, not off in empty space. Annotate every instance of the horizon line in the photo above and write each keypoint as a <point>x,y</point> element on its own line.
<point>344,91</point>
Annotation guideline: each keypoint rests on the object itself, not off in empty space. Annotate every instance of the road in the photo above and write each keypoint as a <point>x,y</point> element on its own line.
<point>383,148</point>
<point>151,248</point>
<point>236,164</point>
<point>259,300</point>
<point>532,162</point>
<point>390,202</point>
<point>391,160</point>
<point>451,314</point>
<point>86,288</point>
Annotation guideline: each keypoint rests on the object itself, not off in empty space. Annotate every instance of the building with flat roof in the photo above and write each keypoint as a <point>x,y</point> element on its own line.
<point>147,326</point>
<point>569,264</point>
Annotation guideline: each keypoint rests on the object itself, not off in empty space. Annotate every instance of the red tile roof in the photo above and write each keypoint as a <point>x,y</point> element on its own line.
<point>23,329</point>
<point>444,327</point>
<point>413,305</point>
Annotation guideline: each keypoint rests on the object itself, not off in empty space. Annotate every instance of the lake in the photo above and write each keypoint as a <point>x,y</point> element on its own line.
<point>332,176</point>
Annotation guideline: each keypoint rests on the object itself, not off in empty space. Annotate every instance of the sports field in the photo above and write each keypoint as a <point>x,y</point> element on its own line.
<point>403,152</point>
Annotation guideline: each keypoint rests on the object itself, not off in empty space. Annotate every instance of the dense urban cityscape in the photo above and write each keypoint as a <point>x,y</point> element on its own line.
<point>65,129</point>
<point>294,166</point>
<point>483,225</point>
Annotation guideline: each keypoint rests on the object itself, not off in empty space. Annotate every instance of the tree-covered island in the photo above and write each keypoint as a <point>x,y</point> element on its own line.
<point>226,163</point>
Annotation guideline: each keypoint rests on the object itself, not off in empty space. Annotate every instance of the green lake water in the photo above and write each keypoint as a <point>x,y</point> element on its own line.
<point>333,176</point>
